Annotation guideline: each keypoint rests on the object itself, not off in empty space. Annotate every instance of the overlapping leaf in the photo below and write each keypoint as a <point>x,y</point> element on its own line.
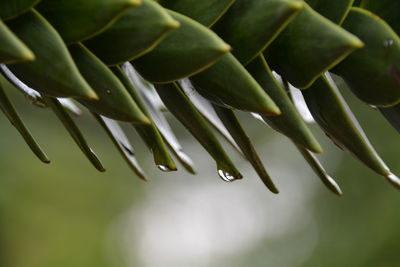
<point>136,33</point>
<point>379,60</point>
<point>53,72</point>
<point>211,49</point>
<point>206,12</point>
<point>308,47</point>
<point>10,9</point>
<point>114,102</point>
<point>78,20</point>
<point>188,50</point>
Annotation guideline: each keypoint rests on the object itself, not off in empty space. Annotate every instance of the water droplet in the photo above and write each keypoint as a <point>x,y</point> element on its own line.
<point>164,168</point>
<point>227,177</point>
<point>388,42</point>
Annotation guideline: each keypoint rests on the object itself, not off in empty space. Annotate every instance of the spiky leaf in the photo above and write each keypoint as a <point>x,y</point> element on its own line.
<point>289,122</point>
<point>334,116</point>
<point>53,73</point>
<point>228,83</point>
<point>115,102</point>
<point>250,26</point>
<point>13,8</point>
<point>301,56</point>
<point>187,114</point>
<point>136,33</point>
<point>78,20</point>
<point>205,12</point>
<point>185,52</point>
<point>373,72</point>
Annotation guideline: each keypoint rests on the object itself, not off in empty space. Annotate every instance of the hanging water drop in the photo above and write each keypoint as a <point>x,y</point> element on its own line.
<point>164,168</point>
<point>227,177</point>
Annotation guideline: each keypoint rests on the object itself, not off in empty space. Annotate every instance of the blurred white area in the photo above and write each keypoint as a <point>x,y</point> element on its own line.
<point>200,221</point>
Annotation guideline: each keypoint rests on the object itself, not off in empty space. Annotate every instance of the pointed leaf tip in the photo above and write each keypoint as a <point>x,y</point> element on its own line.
<point>394,180</point>
<point>122,143</point>
<point>115,102</point>
<point>319,170</point>
<point>136,3</point>
<point>187,162</point>
<point>233,125</point>
<point>333,185</point>
<point>174,24</point>
<point>54,72</point>
<point>228,83</point>
<point>198,46</point>
<point>181,107</point>
<point>74,131</point>
<point>8,109</point>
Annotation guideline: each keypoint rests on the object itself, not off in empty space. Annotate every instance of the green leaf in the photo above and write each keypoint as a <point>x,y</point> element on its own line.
<point>250,26</point>
<point>388,10</point>
<point>140,90</point>
<point>319,170</point>
<point>12,49</point>
<point>289,123</point>
<point>372,73</point>
<point>33,96</point>
<point>136,33</point>
<point>206,12</point>
<point>206,109</point>
<point>309,46</point>
<point>335,10</point>
<point>122,143</point>
<point>149,133</point>
<point>74,131</point>
<point>13,8</point>
<point>232,123</point>
<point>332,114</point>
<point>228,83</point>
<point>53,73</point>
<point>115,102</point>
<point>78,20</point>
<point>185,52</point>
<point>11,114</point>
<point>392,115</point>
<point>180,106</point>
<point>70,106</point>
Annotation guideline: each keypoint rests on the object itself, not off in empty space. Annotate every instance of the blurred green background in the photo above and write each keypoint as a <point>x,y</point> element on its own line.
<point>67,214</point>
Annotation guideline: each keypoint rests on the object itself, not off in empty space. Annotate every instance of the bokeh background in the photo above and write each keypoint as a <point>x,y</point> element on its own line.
<point>67,214</point>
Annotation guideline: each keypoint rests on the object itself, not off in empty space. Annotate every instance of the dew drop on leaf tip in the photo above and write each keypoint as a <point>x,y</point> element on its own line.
<point>164,168</point>
<point>227,177</point>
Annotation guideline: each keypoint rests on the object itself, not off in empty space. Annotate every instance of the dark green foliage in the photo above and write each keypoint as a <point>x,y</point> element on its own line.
<point>237,55</point>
